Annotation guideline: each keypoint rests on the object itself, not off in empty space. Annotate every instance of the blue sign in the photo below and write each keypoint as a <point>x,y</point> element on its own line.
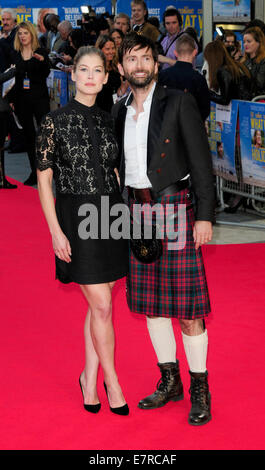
<point>57,83</point>
<point>221,130</point>
<point>252,142</point>
<point>35,10</point>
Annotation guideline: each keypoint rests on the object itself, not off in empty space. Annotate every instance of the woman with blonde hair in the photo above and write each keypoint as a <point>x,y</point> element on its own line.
<point>226,78</point>
<point>254,59</point>
<point>30,93</point>
<point>76,146</point>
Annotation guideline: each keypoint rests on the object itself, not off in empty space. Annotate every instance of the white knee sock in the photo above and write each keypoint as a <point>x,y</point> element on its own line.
<point>196,351</point>
<point>163,339</point>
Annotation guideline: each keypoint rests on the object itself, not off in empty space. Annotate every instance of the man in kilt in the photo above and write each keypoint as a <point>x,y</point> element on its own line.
<point>163,150</point>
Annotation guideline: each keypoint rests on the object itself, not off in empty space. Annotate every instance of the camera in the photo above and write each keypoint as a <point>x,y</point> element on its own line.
<point>230,49</point>
<point>89,28</point>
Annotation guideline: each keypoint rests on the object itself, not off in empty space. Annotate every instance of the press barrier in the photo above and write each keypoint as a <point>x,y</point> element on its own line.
<point>236,136</point>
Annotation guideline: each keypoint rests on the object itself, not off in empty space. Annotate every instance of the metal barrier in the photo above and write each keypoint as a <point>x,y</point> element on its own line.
<point>254,194</point>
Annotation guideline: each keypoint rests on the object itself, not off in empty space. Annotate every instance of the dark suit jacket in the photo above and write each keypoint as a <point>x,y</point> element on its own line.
<point>177,145</point>
<point>57,44</point>
<point>183,77</point>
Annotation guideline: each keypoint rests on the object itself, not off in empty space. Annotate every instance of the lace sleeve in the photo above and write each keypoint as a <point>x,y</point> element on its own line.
<point>45,144</point>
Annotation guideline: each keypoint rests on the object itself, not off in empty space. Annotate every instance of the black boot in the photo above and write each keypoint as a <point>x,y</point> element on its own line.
<point>169,387</point>
<point>200,398</point>
<point>7,185</point>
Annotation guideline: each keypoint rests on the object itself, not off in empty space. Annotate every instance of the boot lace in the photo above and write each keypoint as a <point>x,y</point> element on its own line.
<point>162,384</point>
<point>199,392</point>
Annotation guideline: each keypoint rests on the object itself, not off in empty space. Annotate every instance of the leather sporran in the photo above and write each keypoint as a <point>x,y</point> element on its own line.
<point>145,250</point>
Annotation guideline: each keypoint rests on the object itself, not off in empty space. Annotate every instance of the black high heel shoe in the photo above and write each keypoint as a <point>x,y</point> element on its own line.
<point>90,408</point>
<point>120,410</point>
<point>7,185</point>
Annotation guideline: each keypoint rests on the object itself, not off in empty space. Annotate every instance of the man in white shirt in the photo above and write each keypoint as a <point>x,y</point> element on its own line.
<point>162,139</point>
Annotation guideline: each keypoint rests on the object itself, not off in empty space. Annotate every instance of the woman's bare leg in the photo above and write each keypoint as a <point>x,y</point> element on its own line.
<point>89,375</point>
<point>102,335</point>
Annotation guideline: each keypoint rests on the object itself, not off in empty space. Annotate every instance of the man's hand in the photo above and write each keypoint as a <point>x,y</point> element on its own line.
<point>202,232</point>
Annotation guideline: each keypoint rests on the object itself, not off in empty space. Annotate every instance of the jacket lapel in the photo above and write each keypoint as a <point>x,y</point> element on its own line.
<point>155,121</point>
<point>120,126</point>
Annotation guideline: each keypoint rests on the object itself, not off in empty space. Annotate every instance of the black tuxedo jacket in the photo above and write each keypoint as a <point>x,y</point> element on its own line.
<point>177,144</point>
<point>182,76</point>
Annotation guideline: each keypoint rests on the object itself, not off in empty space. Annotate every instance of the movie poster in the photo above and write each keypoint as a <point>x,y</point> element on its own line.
<point>231,11</point>
<point>252,142</point>
<point>71,88</point>
<point>57,83</point>
<point>221,133</point>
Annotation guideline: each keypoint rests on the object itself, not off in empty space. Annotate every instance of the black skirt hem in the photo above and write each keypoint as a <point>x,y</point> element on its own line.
<point>110,277</point>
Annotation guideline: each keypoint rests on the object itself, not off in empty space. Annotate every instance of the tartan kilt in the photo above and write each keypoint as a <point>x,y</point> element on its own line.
<point>174,286</point>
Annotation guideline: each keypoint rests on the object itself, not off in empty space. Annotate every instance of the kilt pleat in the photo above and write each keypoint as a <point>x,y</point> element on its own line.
<point>175,285</point>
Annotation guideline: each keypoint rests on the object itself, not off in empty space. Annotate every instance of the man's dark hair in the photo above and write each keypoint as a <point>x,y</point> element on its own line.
<point>252,24</point>
<point>172,12</point>
<point>132,40</point>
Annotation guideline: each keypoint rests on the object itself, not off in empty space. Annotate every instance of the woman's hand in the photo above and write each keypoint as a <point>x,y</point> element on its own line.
<point>38,57</point>
<point>202,233</point>
<point>61,246</point>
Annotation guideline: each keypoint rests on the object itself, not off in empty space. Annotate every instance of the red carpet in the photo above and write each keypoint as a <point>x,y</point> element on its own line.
<point>41,351</point>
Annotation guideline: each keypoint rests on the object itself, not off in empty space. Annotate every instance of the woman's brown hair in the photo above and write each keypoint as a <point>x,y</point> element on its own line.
<point>217,56</point>
<point>100,43</point>
<point>259,37</point>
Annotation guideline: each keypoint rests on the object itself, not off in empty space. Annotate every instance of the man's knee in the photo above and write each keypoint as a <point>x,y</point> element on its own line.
<point>192,327</point>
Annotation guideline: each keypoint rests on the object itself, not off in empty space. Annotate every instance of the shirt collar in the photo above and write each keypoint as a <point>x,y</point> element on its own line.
<point>149,97</point>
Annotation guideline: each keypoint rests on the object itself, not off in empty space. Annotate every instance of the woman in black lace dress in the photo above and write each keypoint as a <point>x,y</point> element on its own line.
<point>76,146</point>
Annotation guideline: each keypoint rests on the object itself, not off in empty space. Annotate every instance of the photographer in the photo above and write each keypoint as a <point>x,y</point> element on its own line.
<point>89,27</point>
<point>54,40</point>
<point>75,39</point>
<point>232,45</point>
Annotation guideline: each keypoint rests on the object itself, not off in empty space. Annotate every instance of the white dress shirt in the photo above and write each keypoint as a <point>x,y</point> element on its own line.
<point>135,144</point>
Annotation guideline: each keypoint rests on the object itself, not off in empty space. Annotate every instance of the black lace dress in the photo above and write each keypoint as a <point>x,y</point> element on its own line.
<point>78,143</point>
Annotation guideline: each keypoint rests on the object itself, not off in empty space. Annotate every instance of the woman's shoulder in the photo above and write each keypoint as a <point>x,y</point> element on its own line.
<point>42,51</point>
<point>15,56</point>
<point>56,114</point>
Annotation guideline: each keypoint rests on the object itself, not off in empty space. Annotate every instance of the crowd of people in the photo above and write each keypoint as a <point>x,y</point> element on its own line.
<point>143,93</point>
<point>229,71</point>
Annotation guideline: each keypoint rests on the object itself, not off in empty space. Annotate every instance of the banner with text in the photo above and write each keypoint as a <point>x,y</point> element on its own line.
<point>67,10</point>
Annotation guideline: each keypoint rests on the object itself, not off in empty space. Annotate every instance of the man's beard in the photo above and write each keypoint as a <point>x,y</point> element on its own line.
<point>140,82</point>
